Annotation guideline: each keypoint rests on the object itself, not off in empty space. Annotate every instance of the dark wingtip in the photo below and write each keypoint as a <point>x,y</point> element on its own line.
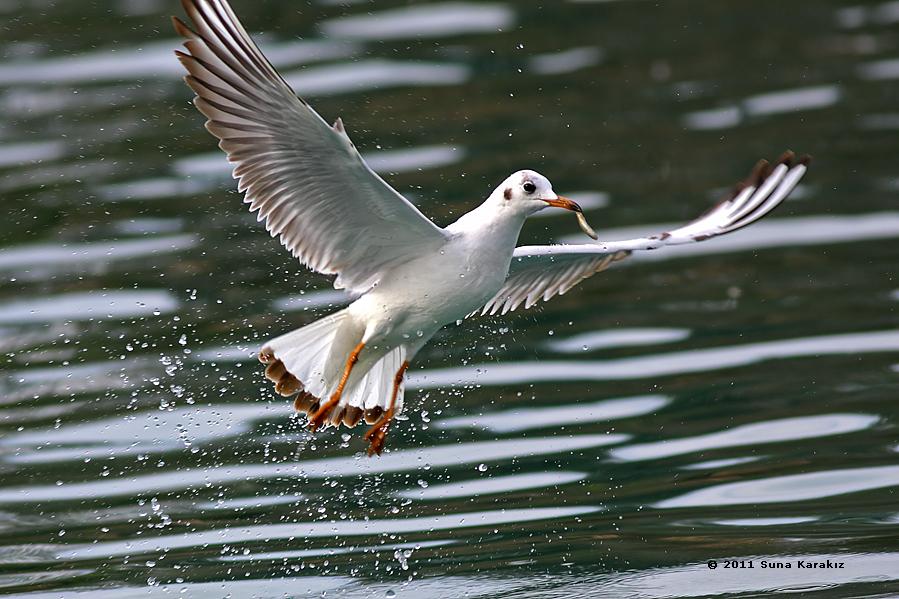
<point>759,173</point>
<point>787,158</point>
<point>181,28</point>
<point>805,160</point>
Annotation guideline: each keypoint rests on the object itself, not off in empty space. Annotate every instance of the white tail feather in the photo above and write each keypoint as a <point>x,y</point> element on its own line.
<point>316,355</point>
<point>305,351</point>
<point>376,387</point>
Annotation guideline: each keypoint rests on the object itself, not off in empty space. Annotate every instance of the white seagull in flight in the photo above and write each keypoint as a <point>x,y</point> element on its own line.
<point>313,190</point>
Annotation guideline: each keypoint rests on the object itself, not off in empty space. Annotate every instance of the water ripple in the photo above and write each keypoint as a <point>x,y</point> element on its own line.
<point>33,151</point>
<point>322,529</point>
<point>431,20</point>
<point>642,367</point>
<point>301,553</point>
<point>312,586</point>
<point>151,60</point>
<point>566,61</point>
<point>493,485</point>
<point>521,419</point>
<point>324,298</point>
<point>790,100</point>
<point>89,305</point>
<point>793,100</point>
<point>136,433</point>
<point>772,431</point>
<point>853,17</point>
<point>693,580</point>
<point>880,69</point>
<point>372,74</point>
<point>34,383</point>
<point>594,340</point>
<point>401,460</point>
<point>788,489</point>
<point>721,464</point>
<point>766,521</point>
<point>57,257</point>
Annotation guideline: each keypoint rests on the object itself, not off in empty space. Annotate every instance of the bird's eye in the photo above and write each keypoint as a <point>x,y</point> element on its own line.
<point>529,187</point>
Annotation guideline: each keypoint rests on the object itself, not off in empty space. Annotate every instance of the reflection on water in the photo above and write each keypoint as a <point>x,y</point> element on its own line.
<point>149,61</point>
<point>721,464</point>
<point>431,20</point>
<point>373,74</point>
<point>147,432</point>
<point>880,69</point>
<point>566,61</point>
<point>733,398</point>
<point>791,488</point>
<point>36,151</point>
<point>51,258</point>
<point>373,549</point>
<point>90,305</point>
<point>594,340</point>
<point>399,461</point>
<point>332,529</point>
<point>854,17</point>
<point>494,485</point>
<point>793,100</point>
<point>693,580</point>
<point>329,298</point>
<point>697,360</point>
<point>509,421</point>
<point>773,431</point>
<point>39,382</point>
<point>765,521</point>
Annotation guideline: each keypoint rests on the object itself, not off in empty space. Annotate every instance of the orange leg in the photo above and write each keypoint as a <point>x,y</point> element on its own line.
<point>377,434</point>
<point>317,419</point>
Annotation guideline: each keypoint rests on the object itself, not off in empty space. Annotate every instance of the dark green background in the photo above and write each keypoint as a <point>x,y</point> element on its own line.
<point>118,425</point>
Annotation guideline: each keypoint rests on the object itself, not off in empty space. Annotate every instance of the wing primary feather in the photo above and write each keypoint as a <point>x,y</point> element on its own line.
<point>308,184</point>
<point>218,28</point>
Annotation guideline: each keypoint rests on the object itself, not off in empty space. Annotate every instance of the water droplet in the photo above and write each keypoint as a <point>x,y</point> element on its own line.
<point>390,594</point>
<point>482,467</point>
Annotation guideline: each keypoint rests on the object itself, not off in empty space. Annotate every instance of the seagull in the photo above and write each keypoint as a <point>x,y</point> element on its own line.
<point>310,186</point>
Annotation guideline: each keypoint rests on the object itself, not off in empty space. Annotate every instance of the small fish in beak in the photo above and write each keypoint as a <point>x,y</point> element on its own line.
<point>560,202</point>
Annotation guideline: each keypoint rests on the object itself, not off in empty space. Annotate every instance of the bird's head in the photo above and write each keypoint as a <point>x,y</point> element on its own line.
<point>529,192</point>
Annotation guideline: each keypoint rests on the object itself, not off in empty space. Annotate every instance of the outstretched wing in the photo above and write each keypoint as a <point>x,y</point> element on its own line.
<point>542,271</point>
<point>304,177</point>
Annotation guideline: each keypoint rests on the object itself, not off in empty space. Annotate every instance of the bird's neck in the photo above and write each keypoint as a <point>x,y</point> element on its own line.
<point>492,221</point>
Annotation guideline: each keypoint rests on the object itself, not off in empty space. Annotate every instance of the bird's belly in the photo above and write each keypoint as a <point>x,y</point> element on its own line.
<point>431,292</point>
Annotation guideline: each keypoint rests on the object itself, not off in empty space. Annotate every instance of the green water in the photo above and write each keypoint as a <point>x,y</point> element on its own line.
<point>735,400</point>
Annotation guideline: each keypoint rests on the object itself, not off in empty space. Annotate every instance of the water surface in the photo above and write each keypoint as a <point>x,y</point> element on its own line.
<point>728,400</point>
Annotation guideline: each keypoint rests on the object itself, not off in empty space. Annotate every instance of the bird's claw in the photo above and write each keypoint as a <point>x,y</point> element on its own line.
<point>376,438</point>
<point>315,422</point>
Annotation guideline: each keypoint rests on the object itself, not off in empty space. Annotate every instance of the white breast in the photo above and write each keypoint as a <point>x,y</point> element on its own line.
<point>438,288</point>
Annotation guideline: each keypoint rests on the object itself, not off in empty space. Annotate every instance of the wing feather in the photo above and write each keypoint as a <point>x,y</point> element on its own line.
<point>542,272</point>
<point>303,177</point>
